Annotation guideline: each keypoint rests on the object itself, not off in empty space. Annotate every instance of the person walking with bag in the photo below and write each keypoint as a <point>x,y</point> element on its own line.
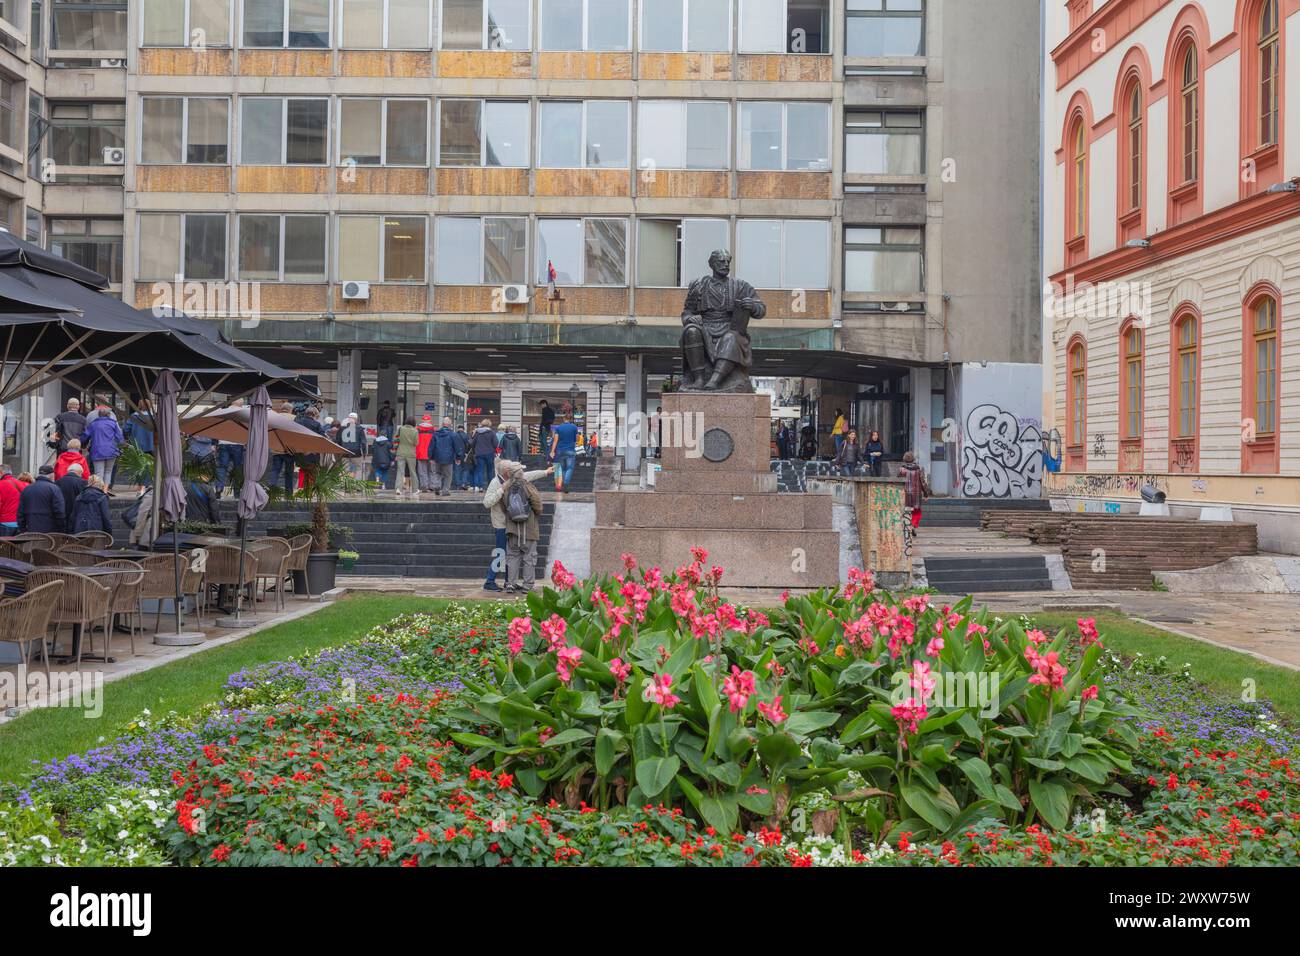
<point>918,488</point>
<point>523,506</point>
<point>849,457</point>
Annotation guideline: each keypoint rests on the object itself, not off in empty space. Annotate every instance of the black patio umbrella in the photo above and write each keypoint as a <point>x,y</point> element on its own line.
<point>56,318</point>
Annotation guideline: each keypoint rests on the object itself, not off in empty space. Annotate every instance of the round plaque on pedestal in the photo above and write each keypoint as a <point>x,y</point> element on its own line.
<point>717,445</point>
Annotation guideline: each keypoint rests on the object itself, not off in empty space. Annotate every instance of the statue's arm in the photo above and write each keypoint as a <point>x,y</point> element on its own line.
<point>752,303</point>
<point>691,308</point>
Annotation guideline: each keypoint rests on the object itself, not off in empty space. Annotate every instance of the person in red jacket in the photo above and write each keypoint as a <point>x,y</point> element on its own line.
<point>424,469</point>
<point>72,456</point>
<point>10,489</point>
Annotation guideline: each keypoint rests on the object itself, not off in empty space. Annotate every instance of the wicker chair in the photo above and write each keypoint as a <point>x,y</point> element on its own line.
<point>126,598</point>
<point>45,558</point>
<point>12,551</point>
<point>33,539</point>
<point>93,540</point>
<point>301,550</point>
<point>61,541</point>
<point>223,567</point>
<point>26,619</point>
<point>159,584</point>
<point>83,602</point>
<point>273,566</point>
<point>79,557</point>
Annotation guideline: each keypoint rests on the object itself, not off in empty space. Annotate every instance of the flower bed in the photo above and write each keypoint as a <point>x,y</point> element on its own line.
<point>642,720</point>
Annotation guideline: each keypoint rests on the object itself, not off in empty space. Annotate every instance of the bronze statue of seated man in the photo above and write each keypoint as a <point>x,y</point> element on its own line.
<point>716,353</point>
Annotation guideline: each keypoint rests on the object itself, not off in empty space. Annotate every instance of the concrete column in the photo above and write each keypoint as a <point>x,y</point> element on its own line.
<point>349,383</point>
<point>921,424</point>
<point>635,392</point>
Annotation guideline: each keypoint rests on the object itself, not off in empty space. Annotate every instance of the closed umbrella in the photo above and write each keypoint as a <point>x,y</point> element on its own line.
<point>169,491</point>
<point>252,496</point>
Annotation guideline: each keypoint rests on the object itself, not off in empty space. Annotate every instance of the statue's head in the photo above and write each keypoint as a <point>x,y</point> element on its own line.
<point>720,262</point>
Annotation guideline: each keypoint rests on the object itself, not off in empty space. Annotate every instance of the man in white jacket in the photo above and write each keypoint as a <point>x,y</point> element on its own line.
<point>494,501</point>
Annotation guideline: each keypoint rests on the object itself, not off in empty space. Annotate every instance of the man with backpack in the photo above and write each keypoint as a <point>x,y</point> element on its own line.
<point>522,506</point>
<point>494,501</point>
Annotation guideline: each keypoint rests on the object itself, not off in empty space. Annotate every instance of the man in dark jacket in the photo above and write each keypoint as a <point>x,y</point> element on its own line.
<point>72,485</point>
<point>90,513</point>
<point>484,448</point>
<point>548,422</point>
<point>40,506</point>
<point>69,424</point>
<point>139,429</point>
<point>386,420</point>
<point>512,446</point>
<point>446,449</point>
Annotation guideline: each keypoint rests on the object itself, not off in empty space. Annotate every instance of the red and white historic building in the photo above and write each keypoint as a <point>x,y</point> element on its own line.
<point>1171,247</point>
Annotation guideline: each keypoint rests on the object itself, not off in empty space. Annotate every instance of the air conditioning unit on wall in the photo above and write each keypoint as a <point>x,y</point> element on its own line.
<point>112,64</point>
<point>514,294</point>
<point>356,291</point>
<point>114,156</point>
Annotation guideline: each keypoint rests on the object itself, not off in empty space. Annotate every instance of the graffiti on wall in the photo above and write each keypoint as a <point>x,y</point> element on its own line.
<point>1103,486</point>
<point>1001,457</point>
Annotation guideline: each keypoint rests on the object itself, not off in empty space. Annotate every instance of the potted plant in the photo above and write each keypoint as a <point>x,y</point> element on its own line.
<point>322,485</point>
<point>347,560</point>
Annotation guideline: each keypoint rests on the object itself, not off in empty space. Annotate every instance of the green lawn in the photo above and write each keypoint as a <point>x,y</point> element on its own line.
<point>1223,670</point>
<point>187,684</point>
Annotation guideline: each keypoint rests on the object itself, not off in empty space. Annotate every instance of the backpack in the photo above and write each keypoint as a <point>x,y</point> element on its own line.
<point>518,508</point>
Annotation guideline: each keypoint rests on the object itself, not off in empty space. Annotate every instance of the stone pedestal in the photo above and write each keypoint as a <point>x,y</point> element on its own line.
<point>717,491</point>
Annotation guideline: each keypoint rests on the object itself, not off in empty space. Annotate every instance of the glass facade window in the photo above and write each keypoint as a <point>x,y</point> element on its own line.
<point>486,24</point>
<point>591,134</point>
<point>89,26</point>
<point>277,131</point>
<point>386,24</point>
<point>277,248</point>
<point>288,24</point>
<point>793,252</point>
<point>93,243</point>
<point>884,28</point>
<point>686,26</point>
<point>80,132</point>
<point>589,252</point>
<point>597,25</point>
<point>671,253</point>
<point>177,23</point>
<point>185,245</point>
<point>489,251</point>
<point>880,143</point>
<point>785,26</point>
<point>382,248</point>
<point>375,132</point>
<point>177,129</point>
<point>885,260</point>
<point>673,134</point>
<point>785,136</point>
<point>483,133</point>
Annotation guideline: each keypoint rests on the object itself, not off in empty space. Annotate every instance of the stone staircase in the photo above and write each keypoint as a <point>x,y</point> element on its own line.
<point>967,512</point>
<point>437,538</point>
<point>991,572</point>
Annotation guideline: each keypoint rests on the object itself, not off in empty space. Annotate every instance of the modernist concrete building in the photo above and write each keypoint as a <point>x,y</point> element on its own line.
<point>477,204</point>
<point>1172,241</point>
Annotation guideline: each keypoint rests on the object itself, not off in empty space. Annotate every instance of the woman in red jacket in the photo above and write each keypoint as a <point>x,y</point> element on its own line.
<point>10,489</point>
<point>72,456</point>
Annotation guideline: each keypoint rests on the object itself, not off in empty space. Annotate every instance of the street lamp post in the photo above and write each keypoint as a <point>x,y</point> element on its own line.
<point>574,392</point>
<point>600,379</point>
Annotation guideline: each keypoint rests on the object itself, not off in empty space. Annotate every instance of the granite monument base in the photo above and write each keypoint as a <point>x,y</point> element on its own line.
<point>717,491</point>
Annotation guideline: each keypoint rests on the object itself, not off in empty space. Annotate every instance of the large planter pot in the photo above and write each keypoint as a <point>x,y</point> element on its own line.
<point>321,570</point>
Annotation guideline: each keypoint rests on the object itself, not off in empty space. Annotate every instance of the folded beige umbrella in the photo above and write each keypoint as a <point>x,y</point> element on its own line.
<point>286,436</point>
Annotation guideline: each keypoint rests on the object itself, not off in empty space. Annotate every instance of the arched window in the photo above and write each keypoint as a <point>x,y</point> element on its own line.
<point>1134,171</point>
<point>1076,410</point>
<point>1269,72</point>
<point>1130,396</point>
<point>1260,381</point>
<point>1186,381</point>
<point>1265,342</point>
<point>1191,114</point>
<point>1080,183</point>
